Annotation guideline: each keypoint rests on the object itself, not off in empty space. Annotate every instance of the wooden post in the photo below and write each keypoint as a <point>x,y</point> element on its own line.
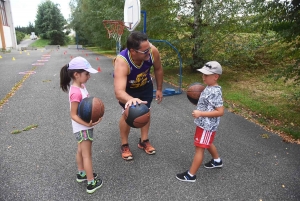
<point>2,34</point>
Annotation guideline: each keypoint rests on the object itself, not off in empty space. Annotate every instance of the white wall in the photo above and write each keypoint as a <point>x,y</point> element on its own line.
<point>8,39</point>
<point>7,36</point>
<point>9,31</point>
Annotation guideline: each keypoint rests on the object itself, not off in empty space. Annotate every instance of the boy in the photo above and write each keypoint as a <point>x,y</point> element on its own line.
<point>207,118</point>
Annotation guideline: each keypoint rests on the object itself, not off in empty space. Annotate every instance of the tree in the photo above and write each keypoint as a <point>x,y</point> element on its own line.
<point>87,17</point>
<point>31,28</point>
<point>229,31</point>
<point>283,17</point>
<point>197,26</point>
<point>50,23</point>
<point>209,24</point>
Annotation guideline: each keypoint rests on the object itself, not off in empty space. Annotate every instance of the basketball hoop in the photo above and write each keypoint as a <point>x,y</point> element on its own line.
<point>115,29</point>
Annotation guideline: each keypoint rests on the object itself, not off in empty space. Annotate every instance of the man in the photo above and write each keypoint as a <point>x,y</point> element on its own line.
<point>133,85</point>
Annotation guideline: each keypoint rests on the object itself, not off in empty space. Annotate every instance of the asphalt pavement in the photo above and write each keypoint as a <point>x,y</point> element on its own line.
<point>39,164</point>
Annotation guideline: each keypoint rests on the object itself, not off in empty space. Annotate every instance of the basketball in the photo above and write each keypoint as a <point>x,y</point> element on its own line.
<point>137,116</point>
<point>90,108</point>
<point>194,91</point>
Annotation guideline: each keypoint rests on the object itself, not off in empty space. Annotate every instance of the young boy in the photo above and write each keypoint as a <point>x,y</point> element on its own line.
<point>207,118</point>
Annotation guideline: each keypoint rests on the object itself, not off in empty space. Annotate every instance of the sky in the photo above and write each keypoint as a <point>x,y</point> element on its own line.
<point>24,11</point>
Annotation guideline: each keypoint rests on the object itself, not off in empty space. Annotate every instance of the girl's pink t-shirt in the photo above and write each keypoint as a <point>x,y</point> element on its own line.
<point>76,94</point>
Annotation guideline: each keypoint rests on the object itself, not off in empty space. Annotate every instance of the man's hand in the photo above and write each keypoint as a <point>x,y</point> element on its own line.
<point>134,101</point>
<point>159,96</point>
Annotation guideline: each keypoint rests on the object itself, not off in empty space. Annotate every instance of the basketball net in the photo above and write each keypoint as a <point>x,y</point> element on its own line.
<point>115,29</point>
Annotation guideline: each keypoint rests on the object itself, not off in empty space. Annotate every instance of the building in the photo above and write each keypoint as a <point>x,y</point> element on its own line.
<point>8,38</point>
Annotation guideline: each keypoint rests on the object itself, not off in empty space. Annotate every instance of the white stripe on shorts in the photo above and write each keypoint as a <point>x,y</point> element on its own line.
<point>205,138</point>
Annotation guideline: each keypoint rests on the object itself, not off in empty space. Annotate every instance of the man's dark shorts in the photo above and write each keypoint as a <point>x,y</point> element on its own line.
<point>145,93</point>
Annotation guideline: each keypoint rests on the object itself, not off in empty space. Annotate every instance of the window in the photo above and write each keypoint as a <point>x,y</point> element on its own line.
<point>3,13</point>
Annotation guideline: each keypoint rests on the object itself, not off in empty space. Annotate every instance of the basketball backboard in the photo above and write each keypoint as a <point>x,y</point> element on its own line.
<point>132,14</point>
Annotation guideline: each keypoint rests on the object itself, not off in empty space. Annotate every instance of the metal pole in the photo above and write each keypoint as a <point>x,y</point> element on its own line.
<point>179,57</point>
<point>77,40</point>
<point>145,20</point>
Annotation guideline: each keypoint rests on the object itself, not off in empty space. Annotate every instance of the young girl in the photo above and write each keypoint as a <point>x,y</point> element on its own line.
<point>78,71</point>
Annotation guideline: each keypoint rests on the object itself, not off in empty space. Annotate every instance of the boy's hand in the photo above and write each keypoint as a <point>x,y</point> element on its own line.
<point>196,113</point>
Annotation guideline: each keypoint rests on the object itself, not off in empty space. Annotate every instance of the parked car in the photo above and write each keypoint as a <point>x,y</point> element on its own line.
<point>33,36</point>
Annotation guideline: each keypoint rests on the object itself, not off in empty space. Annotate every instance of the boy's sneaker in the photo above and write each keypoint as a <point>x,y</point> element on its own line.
<point>186,177</point>
<point>213,164</point>
<point>91,188</point>
<point>126,153</point>
<point>146,146</point>
<point>83,178</point>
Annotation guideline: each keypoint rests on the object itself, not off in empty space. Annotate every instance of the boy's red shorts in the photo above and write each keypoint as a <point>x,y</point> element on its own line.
<point>203,138</point>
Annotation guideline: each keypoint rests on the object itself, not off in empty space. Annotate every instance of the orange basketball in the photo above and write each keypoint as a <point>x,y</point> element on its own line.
<point>90,108</point>
<point>194,91</point>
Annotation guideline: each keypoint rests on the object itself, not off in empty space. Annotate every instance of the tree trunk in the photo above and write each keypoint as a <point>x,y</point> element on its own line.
<point>198,61</point>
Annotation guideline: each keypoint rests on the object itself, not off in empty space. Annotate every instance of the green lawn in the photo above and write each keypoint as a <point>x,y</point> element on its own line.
<point>40,43</point>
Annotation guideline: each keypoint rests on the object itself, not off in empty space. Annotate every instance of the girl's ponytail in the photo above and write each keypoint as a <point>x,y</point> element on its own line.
<point>65,79</point>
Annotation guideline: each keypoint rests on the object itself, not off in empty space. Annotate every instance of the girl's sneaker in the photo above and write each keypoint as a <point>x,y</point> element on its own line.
<point>83,178</point>
<point>91,188</point>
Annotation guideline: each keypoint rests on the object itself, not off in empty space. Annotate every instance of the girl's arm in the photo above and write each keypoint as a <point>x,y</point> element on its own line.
<point>75,117</point>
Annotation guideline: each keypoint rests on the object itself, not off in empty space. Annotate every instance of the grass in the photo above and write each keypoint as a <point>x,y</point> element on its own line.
<point>40,43</point>
<point>109,53</point>
<point>30,127</point>
<point>27,36</point>
<point>43,42</point>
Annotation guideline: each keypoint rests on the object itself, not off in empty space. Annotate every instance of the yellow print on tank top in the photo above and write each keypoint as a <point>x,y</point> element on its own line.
<point>141,80</point>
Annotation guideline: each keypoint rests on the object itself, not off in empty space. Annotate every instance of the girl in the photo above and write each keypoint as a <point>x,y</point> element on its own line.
<point>78,71</point>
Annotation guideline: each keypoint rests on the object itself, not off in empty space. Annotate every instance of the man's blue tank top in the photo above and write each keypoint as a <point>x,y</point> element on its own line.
<point>138,75</point>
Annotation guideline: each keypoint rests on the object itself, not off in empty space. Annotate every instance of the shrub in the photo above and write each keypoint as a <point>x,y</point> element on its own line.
<point>20,36</point>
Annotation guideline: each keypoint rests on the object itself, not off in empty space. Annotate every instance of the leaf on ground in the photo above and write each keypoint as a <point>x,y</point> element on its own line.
<point>16,132</point>
<point>33,126</point>
<point>265,136</point>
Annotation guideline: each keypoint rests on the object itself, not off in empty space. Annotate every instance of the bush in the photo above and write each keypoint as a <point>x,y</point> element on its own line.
<point>44,36</point>
<point>57,37</point>
<point>20,36</point>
